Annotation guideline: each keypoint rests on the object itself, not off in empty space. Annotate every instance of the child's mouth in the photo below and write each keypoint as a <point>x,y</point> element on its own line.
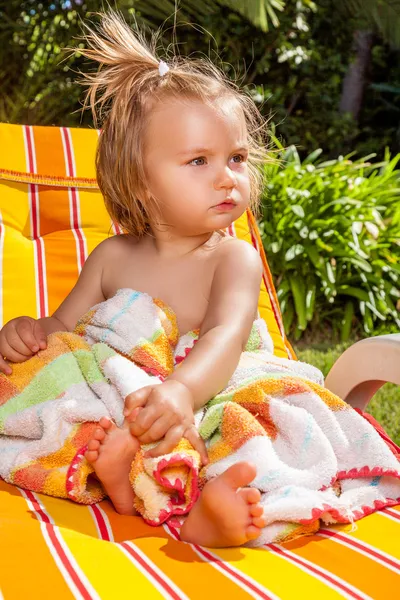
<point>225,206</point>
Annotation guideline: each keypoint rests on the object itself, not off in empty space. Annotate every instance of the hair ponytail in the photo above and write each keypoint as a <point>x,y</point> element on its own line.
<point>119,94</point>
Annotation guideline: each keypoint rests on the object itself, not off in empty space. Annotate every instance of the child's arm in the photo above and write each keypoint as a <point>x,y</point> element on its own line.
<point>166,410</point>
<point>22,337</point>
<point>227,325</point>
<point>87,292</point>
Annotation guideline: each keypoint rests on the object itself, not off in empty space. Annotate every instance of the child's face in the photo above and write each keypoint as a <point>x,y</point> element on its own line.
<point>189,183</point>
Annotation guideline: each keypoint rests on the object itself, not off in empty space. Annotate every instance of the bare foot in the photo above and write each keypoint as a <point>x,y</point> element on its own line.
<point>111,452</point>
<point>226,513</point>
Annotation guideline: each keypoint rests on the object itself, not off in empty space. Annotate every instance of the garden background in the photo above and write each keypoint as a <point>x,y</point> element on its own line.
<point>327,76</point>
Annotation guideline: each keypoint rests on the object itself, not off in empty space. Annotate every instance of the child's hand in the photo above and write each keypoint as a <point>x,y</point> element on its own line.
<point>163,411</point>
<point>19,339</point>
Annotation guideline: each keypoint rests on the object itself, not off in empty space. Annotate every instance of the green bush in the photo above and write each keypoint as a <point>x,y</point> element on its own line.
<point>331,231</point>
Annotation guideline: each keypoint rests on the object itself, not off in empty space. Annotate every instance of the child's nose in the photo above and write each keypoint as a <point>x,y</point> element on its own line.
<point>225,179</point>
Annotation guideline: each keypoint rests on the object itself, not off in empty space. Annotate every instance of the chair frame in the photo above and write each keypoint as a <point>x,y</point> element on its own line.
<point>364,368</point>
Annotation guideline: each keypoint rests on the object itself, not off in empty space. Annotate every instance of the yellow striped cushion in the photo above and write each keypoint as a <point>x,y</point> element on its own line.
<point>52,216</point>
<point>71,551</point>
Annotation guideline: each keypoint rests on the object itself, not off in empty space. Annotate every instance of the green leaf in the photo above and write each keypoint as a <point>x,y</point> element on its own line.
<point>310,302</point>
<point>299,298</point>
<point>298,210</point>
<point>352,291</point>
<point>347,321</point>
<point>294,251</point>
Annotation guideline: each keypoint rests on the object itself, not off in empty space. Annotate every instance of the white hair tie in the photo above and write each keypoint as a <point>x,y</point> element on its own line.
<point>163,68</point>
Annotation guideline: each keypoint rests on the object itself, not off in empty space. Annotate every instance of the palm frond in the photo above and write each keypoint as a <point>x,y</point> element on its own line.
<point>259,12</point>
<point>383,14</point>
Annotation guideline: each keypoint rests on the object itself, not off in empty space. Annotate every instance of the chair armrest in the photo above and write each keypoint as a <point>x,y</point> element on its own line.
<point>364,368</point>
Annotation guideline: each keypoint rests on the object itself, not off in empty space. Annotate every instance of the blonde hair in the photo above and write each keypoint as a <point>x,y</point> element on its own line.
<point>118,95</point>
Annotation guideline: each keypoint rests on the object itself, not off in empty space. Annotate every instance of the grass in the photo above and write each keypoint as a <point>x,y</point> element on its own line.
<point>384,406</point>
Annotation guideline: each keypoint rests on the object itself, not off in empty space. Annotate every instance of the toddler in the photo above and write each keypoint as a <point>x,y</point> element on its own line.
<point>177,162</point>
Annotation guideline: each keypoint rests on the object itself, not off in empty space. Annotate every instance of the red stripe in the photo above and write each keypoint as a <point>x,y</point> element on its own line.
<point>75,224</point>
<point>234,574</point>
<point>274,309</point>
<point>71,173</point>
<point>392,513</point>
<point>35,228</point>
<point>224,566</point>
<point>316,570</point>
<point>36,506</point>
<point>57,546</point>
<point>356,544</point>
<point>150,570</point>
<point>101,523</point>
<point>66,562</point>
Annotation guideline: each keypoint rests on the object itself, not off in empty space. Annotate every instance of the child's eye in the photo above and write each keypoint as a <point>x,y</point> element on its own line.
<point>240,156</point>
<point>199,158</point>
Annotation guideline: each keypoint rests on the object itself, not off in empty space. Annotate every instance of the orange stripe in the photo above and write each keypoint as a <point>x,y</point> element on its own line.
<point>360,571</point>
<point>48,139</point>
<point>27,569</point>
<point>270,283</point>
<point>197,579</point>
<point>54,216</point>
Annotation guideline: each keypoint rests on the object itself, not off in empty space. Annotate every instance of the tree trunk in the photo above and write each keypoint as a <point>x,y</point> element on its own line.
<point>354,81</point>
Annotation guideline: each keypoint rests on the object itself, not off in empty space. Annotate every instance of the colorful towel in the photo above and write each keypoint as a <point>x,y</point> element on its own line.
<point>317,459</point>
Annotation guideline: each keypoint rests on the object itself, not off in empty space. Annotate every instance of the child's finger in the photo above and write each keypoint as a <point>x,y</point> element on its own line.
<point>172,438</point>
<point>27,337</point>
<point>144,420</point>
<point>18,351</point>
<point>157,431</point>
<point>131,417</point>
<point>4,367</point>
<point>138,398</point>
<point>193,436</point>
<point>11,354</point>
<point>40,335</point>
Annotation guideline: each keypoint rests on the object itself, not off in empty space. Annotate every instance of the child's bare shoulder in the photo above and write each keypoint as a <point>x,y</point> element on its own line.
<point>233,251</point>
<point>116,245</point>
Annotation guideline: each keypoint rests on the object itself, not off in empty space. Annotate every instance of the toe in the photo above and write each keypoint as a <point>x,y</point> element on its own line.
<point>259,522</point>
<point>252,532</point>
<point>99,434</point>
<point>91,455</point>
<point>239,475</point>
<point>93,445</point>
<point>250,495</point>
<point>106,423</point>
<point>256,510</point>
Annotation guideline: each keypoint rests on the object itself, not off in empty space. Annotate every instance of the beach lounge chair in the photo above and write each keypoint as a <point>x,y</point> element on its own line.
<point>51,218</point>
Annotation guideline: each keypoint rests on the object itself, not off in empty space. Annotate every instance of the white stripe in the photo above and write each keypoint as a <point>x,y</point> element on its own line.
<point>46,299</point>
<point>32,508</point>
<point>71,172</point>
<point>231,576</point>
<point>148,575</point>
<point>106,521</point>
<point>388,516</point>
<point>390,511</point>
<point>2,235</point>
<point>59,563</point>
<point>364,552</point>
<point>74,565</point>
<point>287,555</point>
<point>276,309</point>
